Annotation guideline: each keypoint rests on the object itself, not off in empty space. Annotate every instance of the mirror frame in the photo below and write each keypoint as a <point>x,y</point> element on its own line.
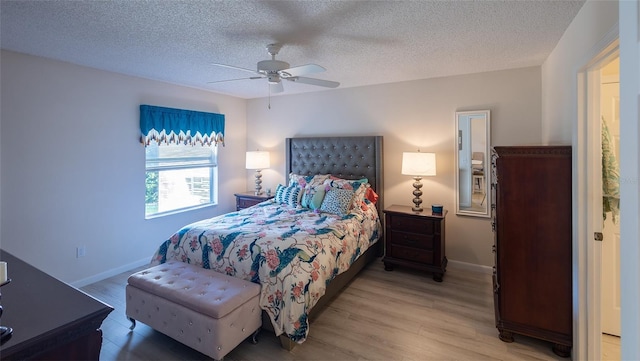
<point>486,213</point>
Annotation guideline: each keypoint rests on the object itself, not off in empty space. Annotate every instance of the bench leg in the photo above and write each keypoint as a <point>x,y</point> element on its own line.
<point>133,323</point>
<point>254,338</point>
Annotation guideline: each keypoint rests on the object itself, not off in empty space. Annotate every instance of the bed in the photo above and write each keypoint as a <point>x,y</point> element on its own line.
<point>300,255</point>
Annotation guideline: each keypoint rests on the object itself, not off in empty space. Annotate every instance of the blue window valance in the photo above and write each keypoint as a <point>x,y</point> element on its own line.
<point>169,125</point>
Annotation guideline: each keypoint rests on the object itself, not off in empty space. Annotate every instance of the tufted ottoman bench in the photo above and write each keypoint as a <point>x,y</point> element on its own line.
<point>205,310</point>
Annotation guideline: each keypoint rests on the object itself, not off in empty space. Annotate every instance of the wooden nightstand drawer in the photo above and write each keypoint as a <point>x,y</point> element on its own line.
<point>412,254</point>
<point>246,200</point>
<point>411,224</point>
<point>245,203</point>
<point>414,240</point>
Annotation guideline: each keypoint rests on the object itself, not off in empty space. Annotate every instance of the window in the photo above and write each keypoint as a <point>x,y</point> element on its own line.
<point>181,158</point>
<point>179,177</point>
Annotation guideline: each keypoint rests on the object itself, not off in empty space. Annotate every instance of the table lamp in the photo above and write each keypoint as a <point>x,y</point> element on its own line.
<point>258,160</point>
<point>418,164</point>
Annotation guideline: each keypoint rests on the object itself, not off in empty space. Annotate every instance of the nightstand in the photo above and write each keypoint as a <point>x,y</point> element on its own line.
<point>415,240</point>
<point>248,199</point>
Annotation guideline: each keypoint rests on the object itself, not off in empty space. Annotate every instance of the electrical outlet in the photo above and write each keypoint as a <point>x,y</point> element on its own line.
<point>80,251</point>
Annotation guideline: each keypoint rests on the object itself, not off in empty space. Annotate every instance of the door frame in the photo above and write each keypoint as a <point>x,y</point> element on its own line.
<point>587,217</point>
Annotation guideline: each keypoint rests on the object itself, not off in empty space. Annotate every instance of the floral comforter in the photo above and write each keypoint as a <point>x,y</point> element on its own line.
<point>292,252</point>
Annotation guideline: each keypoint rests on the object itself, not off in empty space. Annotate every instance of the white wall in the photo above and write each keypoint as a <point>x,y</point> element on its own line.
<point>590,32</point>
<point>72,170</point>
<point>559,71</point>
<point>72,167</point>
<point>630,177</point>
<point>410,115</point>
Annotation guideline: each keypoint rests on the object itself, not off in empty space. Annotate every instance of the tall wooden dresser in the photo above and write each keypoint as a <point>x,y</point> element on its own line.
<point>532,225</point>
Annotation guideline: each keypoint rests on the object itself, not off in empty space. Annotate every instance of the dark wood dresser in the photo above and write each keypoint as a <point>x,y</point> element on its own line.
<point>532,224</point>
<point>50,319</point>
<point>415,240</point>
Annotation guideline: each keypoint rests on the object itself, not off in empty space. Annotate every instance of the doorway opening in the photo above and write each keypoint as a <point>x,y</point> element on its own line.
<point>610,195</point>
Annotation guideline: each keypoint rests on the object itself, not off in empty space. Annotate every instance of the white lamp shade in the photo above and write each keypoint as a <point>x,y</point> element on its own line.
<point>258,160</point>
<point>418,164</point>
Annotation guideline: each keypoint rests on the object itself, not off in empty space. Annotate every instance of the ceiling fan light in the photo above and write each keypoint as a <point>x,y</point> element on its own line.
<point>273,79</point>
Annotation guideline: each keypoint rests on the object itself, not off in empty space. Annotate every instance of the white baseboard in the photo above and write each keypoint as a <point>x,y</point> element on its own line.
<point>470,267</point>
<point>110,273</point>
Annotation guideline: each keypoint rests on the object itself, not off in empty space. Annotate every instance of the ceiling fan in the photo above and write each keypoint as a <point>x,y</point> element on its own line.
<point>276,70</point>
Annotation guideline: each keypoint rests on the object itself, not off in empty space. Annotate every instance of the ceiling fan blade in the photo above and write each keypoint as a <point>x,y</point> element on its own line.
<point>276,88</point>
<point>301,70</point>
<point>223,81</point>
<point>313,81</point>
<point>235,67</point>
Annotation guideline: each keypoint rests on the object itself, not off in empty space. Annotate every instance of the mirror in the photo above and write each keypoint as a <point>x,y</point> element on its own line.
<point>473,159</point>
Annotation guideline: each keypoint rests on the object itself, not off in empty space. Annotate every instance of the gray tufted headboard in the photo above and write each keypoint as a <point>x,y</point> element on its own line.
<point>344,157</point>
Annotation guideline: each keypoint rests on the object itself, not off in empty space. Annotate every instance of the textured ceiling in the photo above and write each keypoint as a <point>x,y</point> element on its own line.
<point>358,42</point>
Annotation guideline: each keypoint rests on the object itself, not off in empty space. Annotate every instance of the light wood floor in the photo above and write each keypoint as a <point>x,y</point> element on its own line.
<point>398,315</point>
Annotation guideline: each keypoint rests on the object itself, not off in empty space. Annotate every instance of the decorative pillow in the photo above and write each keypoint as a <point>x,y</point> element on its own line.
<point>359,187</point>
<point>361,180</point>
<point>288,195</point>
<point>312,196</point>
<point>345,183</point>
<point>301,180</point>
<point>304,180</point>
<point>371,195</point>
<point>337,201</point>
<point>360,193</point>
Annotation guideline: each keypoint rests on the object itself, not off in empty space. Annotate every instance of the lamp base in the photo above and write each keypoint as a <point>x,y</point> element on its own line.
<point>417,193</point>
<point>258,182</point>
<point>5,333</point>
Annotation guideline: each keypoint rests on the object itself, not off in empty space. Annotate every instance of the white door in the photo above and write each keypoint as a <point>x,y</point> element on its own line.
<point>610,272</point>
